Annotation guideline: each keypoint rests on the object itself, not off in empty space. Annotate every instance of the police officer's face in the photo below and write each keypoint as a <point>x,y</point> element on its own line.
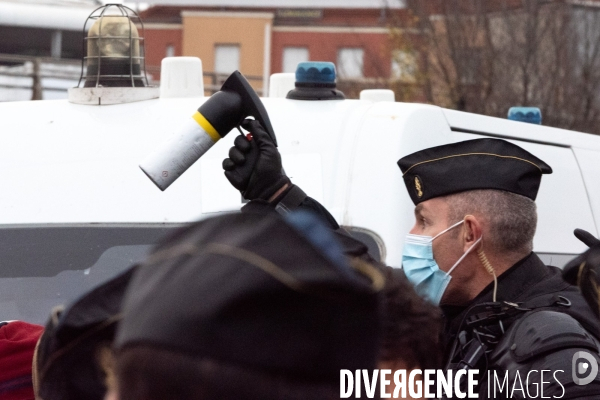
<point>432,218</point>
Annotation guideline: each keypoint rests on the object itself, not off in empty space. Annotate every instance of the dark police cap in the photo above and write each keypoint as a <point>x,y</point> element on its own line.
<point>469,165</point>
<point>256,291</point>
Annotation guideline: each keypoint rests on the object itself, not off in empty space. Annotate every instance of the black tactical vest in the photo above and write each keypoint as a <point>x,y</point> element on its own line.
<point>539,323</point>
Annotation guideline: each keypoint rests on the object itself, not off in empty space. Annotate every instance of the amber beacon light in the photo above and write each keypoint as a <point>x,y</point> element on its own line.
<point>114,58</point>
<point>115,50</point>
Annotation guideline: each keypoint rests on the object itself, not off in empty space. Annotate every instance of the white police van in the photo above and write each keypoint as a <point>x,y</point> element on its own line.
<point>75,208</point>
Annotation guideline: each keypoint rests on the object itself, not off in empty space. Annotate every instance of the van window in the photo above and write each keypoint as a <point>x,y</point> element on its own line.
<point>374,242</point>
<point>43,266</point>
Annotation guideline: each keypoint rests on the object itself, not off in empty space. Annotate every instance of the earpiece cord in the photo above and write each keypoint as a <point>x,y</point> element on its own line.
<point>486,264</point>
<point>489,268</point>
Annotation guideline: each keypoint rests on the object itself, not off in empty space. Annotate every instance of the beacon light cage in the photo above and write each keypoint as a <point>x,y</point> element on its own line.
<point>114,50</point>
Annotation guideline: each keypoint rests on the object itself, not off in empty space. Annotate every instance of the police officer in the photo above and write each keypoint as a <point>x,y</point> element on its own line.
<point>507,315</point>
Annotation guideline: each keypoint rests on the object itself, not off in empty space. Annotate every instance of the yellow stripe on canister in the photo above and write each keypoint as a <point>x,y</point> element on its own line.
<point>208,128</point>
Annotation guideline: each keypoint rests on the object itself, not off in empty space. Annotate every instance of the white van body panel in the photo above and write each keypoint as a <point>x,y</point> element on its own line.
<point>64,163</point>
<point>589,163</point>
<point>518,130</point>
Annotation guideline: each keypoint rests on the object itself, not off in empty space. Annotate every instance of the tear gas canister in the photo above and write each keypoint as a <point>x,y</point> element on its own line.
<point>177,154</point>
<point>221,113</point>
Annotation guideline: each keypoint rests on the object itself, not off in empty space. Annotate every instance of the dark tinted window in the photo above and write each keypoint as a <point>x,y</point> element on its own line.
<point>373,241</point>
<point>42,266</point>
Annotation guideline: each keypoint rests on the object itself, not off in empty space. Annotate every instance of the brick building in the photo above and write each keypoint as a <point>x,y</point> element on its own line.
<point>274,35</point>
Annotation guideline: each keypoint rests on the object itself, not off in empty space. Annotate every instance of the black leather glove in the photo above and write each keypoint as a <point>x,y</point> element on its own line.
<point>584,270</point>
<point>571,271</point>
<point>254,166</point>
<point>587,238</point>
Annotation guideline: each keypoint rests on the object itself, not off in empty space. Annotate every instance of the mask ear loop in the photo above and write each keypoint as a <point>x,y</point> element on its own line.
<point>446,230</point>
<point>489,268</point>
<point>463,256</point>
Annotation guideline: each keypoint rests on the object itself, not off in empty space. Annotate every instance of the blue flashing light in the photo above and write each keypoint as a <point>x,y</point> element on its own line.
<point>532,115</point>
<point>315,72</point>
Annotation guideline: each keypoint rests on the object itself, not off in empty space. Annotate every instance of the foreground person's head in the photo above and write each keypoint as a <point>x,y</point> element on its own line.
<point>247,306</point>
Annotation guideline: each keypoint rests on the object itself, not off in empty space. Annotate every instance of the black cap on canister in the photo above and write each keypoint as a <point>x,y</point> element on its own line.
<point>236,101</point>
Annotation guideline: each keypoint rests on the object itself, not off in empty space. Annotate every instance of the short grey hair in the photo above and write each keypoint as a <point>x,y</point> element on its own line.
<point>512,218</point>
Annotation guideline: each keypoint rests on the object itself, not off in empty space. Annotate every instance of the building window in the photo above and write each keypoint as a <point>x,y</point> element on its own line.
<point>468,62</point>
<point>350,62</point>
<point>292,56</point>
<point>227,58</point>
<point>170,51</point>
<point>404,65</point>
<point>56,44</point>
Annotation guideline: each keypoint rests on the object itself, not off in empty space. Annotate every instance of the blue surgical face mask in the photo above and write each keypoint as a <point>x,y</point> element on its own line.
<point>421,269</point>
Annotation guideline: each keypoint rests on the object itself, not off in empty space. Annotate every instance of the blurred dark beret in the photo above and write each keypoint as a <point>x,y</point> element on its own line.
<point>258,291</point>
<point>469,165</point>
<point>68,359</point>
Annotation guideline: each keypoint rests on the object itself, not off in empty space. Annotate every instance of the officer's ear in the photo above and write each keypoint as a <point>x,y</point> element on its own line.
<point>472,231</point>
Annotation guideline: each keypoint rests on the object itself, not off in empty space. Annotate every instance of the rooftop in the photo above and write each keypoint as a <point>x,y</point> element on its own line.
<point>46,14</point>
<point>279,3</point>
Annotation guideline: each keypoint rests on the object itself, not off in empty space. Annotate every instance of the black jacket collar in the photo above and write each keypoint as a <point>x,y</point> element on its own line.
<point>528,278</point>
<point>516,283</point>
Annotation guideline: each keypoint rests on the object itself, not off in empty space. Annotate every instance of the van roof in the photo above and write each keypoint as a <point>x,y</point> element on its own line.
<point>69,163</point>
<point>504,128</point>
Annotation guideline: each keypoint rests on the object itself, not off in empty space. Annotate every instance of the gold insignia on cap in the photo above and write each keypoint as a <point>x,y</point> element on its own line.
<point>418,187</point>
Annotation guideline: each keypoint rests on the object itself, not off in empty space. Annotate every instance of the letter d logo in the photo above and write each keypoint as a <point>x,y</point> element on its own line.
<point>582,363</point>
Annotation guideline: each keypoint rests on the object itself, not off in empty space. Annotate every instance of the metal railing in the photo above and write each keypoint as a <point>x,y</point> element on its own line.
<point>33,76</point>
<point>37,70</point>
<point>43,74</point>
<point>215,80</point>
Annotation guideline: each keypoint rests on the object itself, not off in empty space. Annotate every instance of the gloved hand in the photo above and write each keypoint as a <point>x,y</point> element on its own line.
<point>587,238</point>
<point>254,166</point>
<point>584,270</point>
